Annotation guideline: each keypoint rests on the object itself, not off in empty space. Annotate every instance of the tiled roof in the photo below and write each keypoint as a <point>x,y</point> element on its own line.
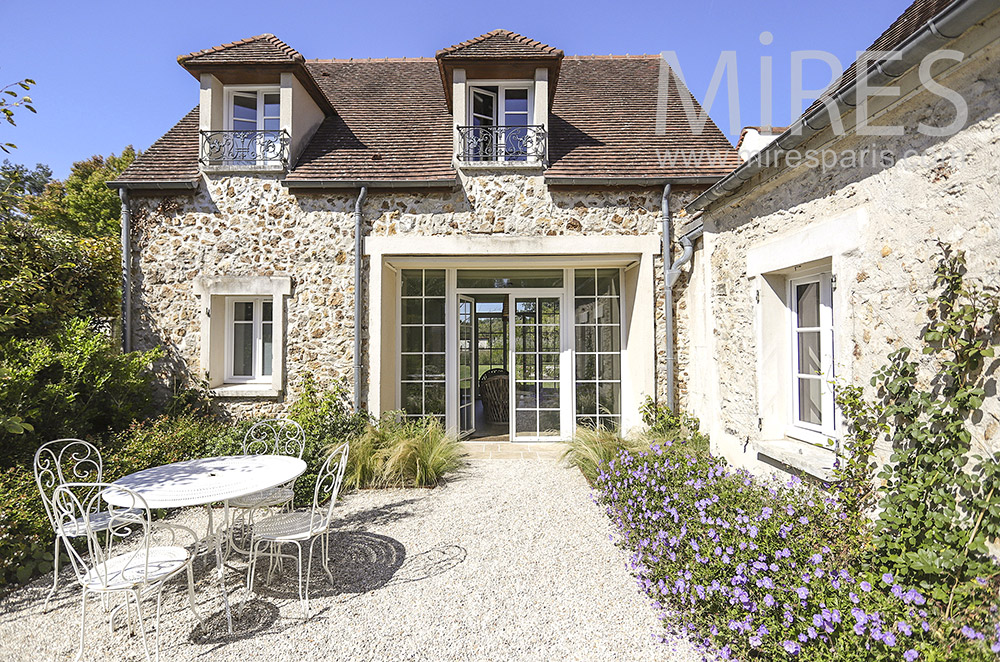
<point>500,44</point>
<point>262,49</point>
<point>172,158</point>
<point>908,23</point>
<point>391,123</point>
<point>603,124</point>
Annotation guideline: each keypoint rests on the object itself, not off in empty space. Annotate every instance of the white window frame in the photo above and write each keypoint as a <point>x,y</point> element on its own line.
<point>500,101</point>
<point>257,376</point>
<point>260,91</point>
<point>798,429</point>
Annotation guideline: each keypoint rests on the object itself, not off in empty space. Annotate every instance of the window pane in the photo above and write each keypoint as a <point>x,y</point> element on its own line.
<point>434,366</point>
<point>548,395</point>
<point>413,367</point>
<point>412,282</point>
<point>413,311</point>
<point>243,311</point>
<point>549,366</point>
<point>807,304</point>
<point>434,282</point>
<point>608,338</point>
<point>516,101</point>
<point>271,124</point>
<point>610,366</point>
<point>267,347</point>
<point>809,348</point>
<point>586,283</point>
<point>810,401</point>
<point>526,423</point>
<point>243,349</point>
<point>513,278</point>
<point>548,424</point>
<point>434,311</point>
<point>525,395</point>
<point>245,107</point>
<point>483,104</point>
<point>433,338</point>
<point>607,310</point>
<point>585,340</point>
<point>550,338</point>
<point>586,310</point>
<point>244,125</point>
<point>413,398</point>
<point>586,398</point>
<point>586,366</point>
<point>413,339</point>
<point>267,308</point>
<point>434,398</point>
<point>607,282</point>
<point>608,398</point>
<point>272,105</point>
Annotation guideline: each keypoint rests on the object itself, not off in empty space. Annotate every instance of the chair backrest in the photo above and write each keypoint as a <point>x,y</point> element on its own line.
<point>79,503</point>
<point>496,398</point>
<point>492,372</point>
<point>62,461</point>
<point>328,482</point>
<point>278,436</point>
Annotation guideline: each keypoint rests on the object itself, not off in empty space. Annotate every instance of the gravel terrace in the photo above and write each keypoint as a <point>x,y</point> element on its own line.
<point>509,560</point>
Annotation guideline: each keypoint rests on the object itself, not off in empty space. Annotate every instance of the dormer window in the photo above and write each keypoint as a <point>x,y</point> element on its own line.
<point>251,137</point>
<point>499,124</point>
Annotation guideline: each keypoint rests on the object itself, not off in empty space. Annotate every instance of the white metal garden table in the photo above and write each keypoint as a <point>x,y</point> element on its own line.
<point>206,481</point>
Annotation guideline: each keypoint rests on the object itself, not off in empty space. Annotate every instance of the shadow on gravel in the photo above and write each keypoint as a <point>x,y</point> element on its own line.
<point>360,562</point>
<point>377,516</point>
<point>257,617</point>
<point>424,565</point>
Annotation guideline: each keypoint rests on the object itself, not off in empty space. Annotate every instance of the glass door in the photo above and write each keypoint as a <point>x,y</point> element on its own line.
<point>466,368</point>
<point>536,342</point>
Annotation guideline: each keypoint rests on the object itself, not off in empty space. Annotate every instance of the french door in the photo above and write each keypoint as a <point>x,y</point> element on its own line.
<point>466,366</point>
<point>536,343</point>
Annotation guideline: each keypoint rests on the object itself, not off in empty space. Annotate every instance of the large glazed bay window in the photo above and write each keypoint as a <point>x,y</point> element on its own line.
<point>598,348</point>
<point>811,315</point>
<point>422,343</point>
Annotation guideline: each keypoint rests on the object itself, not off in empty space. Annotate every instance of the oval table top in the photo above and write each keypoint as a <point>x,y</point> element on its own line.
<point>206,480</point>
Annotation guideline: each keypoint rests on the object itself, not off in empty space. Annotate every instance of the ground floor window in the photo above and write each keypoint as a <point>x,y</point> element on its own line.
<point>422,342</point>
<point>810,301</point>
<point>249,339</point>
<point>597,331</point>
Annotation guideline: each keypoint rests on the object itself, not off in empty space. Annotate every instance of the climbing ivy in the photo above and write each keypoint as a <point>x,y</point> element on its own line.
<point>939,505</point>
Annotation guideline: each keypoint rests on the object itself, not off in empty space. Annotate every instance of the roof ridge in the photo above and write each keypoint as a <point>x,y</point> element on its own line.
<point>267,36</point>
<point>369,59</point>
<point>612,56</point>
<point>520,38</point>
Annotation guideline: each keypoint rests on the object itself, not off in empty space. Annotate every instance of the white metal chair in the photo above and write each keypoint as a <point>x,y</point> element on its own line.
<point>279,436</point>
<point>56,463</point>
<point>132,560</point>
<point>301,526</point>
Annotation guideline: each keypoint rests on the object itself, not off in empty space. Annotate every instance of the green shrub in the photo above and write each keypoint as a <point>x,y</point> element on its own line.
<point>165,440</point>
<point>397,452</point>
<point>71,383</point>
<point>49,277</point>
<point>665,425</point>
<point>592,448</point>
<point>25,532</point>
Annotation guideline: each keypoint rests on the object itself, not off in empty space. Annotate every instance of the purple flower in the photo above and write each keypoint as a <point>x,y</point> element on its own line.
<point>910,655</point>
<point>802,592</point>
<point>756,641</point>
<point>889,639</point>
<point>887,578</point>
<point>866,587</point>
<point>769,600</point>
<point>904,627</point>
<point>792,647</point>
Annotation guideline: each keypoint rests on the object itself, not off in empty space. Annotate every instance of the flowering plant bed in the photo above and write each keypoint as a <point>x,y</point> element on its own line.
<point>758,569</point>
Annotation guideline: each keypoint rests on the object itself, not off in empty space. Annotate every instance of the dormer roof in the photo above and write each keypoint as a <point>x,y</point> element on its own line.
<point>262,49</point>
<point>500,44</point>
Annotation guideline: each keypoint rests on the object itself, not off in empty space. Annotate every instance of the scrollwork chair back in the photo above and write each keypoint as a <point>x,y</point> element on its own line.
<point>280,436</point>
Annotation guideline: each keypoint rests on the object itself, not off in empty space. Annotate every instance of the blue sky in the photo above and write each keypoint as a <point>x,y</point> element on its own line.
<point>107,73</point>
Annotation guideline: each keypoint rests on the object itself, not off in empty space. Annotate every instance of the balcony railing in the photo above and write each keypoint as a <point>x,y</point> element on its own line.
<point>502,143</point>
<point>244,150</point>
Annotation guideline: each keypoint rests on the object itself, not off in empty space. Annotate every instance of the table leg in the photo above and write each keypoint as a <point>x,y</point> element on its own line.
<point>220,565</point>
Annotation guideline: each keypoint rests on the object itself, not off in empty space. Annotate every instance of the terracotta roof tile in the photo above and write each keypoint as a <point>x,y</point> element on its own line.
<point>603,124</point>
<point>262,49</point>
<point>172,158</point>
<point>391,123</point>
<point>500,44</point>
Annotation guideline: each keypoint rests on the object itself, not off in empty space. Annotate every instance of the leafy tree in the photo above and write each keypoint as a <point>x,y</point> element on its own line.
<point>16,182</point>
<point>10,98</point>
<point>48,277</point>
<point>83,205</point>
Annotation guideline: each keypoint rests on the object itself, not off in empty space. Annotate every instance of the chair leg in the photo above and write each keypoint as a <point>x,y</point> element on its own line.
<point>83,624</point>
<point>142,624</point>
<point>159,601</point>
<point>55,577</point>
<point>190,574</point>
<point>326,557</point>
<point>301,602</point>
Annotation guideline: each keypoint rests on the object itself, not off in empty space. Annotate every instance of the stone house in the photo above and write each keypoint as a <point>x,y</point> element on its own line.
<point>402,226</point>
<point>816,256</point>
<point>507,212</point>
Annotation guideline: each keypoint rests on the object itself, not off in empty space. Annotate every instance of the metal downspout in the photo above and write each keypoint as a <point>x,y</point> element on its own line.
<point>357,296</point>
<point>126,218</point>
<point>668,292</point>
<point>672,275</point>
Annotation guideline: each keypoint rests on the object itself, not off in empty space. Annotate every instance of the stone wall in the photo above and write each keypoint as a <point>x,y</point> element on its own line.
<point>945,189</point>
<point>252,226</point>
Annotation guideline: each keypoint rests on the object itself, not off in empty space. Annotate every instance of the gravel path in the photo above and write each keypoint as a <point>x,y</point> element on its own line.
<point>510,560</point>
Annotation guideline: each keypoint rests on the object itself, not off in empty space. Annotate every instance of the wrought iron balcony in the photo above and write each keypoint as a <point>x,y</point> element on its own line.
<point>502,143</point>
<point>244,150</point>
